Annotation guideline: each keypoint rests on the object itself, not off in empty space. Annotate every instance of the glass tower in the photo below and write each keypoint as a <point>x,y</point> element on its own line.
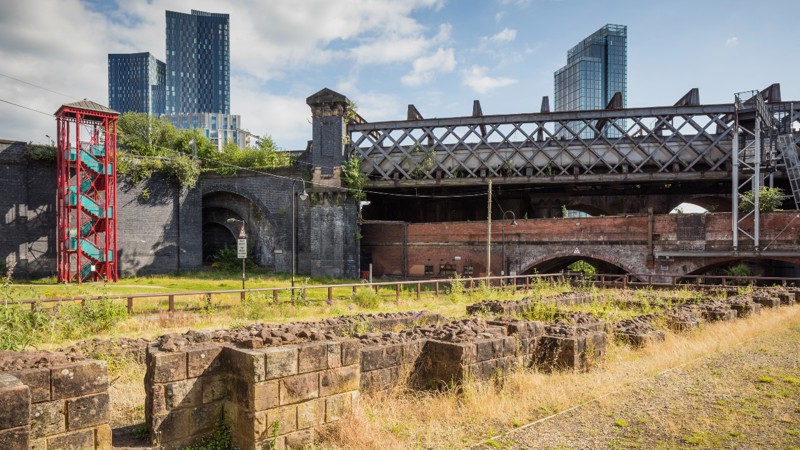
<point>596,69</point>
<point>198,63</point>
<point>136,82</point>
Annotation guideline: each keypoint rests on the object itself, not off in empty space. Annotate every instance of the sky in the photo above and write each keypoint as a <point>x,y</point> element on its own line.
<point>439,55</point>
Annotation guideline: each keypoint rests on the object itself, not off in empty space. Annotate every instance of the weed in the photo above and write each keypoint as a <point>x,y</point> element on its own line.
<point>622,423</point>
<point>219,440</point>
<point>493,443</point>
<point>791,380</point>
<point>766,379</point>
<point>367,298</point>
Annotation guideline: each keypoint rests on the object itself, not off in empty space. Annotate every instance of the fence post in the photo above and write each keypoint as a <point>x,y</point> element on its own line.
<point>130,305</point>
<point>171,306</point>
<point>625,282</point>
<point>436,288</point>
<point>275,296</point>
<point>330,294</point>
<point>354,290</point>
<point>241,296</point>
<point>397,293</point>
<point>419,288</point>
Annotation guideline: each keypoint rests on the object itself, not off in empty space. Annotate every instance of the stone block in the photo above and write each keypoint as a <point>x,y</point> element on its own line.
<point>281,362</point>
<point>249,365</point>
<point>767,301</point>
<point>489,349</point>
<point>264,395</point>
<point>205,360</point>
<point>48,418</point>
<point>102,437</point>
<point>87,411</point>
<point>484,370</point>
<point>787,298</point>
<point>443,364</point>
<point>746,309</point>
<point>373,358</point>
<point>298,440</point>
<point>156,401</point>
<point>15,402</point>
<point>283,419</point>
<point>580,352</point>
<point>36,444</point>
<point>311,413</point>
<point>641,339</point>
<point>181,394</point>
<point>718,315</point>
<point>38,380</point>
<point>172,426</point>
<point>334,355</point>
<point>248,427</point>
<point>351,352</point>
<point>206,417</point>
<point>336,381</point>
<point>312,357</point>
<point>299,388</point>
<point>214,388</point>
<point>411,352</point>
<point>15,438</point>
<point>336,406</point>
<point>164,367</point>
<point>380,380</point>
<point>83,439</point>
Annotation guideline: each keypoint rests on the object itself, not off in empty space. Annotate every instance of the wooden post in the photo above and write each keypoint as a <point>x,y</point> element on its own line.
<point>419,288</point>
<point>397,293</point>
<point>171,306</point>
<point>242,296</point>
<point>130,305</point>
<point>275,296</point>
<point>330,294</point>
<point>354,290</point>
<point>436,288</point>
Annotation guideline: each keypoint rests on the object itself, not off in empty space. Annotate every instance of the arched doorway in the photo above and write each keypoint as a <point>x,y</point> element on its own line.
<point>223,213</point>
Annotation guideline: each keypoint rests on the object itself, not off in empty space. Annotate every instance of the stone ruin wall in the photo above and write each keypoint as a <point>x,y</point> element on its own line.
<point>282,385</point>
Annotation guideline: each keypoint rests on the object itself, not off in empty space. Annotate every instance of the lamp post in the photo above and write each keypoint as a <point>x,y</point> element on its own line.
<point>503,232</point>
<point>303,195</point>
<point>241,247</point>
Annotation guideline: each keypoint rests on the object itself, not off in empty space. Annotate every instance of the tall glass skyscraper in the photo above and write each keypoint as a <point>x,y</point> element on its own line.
<point>596,69</point>
<point>198,63</point>
<point>136,82</point>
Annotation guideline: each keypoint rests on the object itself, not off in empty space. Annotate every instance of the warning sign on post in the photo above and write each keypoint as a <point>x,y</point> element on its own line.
<point>241,248</point>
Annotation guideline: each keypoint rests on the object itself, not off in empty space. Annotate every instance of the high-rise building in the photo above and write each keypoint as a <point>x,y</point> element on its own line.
<point>198,63</point>
<point>597,68</point>
<point>136,82</point>
<point>219,129</point>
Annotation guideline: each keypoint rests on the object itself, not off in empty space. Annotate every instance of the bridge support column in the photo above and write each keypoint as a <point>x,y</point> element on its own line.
<point>328,110</point>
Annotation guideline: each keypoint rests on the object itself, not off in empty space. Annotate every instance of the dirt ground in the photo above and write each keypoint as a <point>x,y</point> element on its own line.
<point>746,397</point>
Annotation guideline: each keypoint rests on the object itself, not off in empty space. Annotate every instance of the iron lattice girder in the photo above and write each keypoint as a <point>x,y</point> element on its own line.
<point>638,141</point>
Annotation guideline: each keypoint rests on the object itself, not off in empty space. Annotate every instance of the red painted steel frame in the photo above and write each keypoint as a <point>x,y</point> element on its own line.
<point>98,128</point>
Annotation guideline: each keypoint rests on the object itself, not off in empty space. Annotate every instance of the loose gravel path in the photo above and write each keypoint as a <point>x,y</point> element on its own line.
<point>746,398</point>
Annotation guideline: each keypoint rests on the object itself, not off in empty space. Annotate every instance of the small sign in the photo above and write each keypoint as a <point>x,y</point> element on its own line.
<point>241,248</point>
<point>242,234</point>
<point>576,251</point>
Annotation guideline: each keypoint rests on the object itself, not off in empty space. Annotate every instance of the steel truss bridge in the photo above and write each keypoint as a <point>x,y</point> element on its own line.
<point>686,141</point>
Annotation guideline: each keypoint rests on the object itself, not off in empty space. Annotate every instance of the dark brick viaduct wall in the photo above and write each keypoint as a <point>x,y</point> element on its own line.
<point>164,234</point>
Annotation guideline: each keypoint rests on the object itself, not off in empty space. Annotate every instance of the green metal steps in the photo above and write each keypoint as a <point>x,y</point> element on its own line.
<point>89,160</point>
<point>89,205</point>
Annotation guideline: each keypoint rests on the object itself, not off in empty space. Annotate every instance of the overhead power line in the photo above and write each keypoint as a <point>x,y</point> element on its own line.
<point>38,86</point>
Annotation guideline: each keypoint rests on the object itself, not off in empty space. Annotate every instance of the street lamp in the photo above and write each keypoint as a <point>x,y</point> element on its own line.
<point>242,235</point>
<point>503,231</point>
<point>303,195</point>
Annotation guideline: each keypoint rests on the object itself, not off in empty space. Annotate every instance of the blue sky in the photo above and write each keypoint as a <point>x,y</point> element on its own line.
<point>439,55</point>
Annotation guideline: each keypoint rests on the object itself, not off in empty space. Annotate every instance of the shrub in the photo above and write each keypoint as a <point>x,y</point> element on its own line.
<point>95,316</point>
<point>770,199</point>
<point>20,327</point>
<point>367,298</point>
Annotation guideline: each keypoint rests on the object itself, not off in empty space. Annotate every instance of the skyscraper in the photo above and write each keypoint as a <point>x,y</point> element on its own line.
<point>136,82</point>
<point>597,68</point>
<point>198,63</point>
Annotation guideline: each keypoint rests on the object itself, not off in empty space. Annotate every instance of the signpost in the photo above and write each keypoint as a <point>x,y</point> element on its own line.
<point>241,249</point>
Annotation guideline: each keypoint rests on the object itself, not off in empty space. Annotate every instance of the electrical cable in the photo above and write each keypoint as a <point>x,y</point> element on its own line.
<point>37,86</point>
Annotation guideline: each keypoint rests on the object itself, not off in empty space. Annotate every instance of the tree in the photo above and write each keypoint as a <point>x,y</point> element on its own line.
<point>769,199</point>
<point>145,135</point>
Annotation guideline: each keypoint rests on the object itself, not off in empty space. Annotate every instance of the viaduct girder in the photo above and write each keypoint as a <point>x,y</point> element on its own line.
<point>674,143</point>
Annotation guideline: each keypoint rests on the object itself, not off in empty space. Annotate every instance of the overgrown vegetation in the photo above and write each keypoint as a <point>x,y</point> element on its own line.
<point>353,179</point>
<point>38,152</point>
<point>769,199</point>
<point>367,298</point>
<point>148,145</point>
<point>227,260</point>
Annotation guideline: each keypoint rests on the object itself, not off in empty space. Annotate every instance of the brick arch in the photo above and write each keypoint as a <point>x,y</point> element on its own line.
<point>704,266</point>
<point>712,203</point>
<point>228,199</point>
<point>568,258</point>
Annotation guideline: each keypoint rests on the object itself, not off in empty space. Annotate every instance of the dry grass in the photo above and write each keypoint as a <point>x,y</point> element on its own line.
<point>436,420</point>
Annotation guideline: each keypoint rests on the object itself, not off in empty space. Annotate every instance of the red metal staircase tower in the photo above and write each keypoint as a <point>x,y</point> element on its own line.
<point>87,192</point>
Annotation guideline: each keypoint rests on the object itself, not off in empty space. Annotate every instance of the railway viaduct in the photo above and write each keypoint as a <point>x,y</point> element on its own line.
<point>427,181</point>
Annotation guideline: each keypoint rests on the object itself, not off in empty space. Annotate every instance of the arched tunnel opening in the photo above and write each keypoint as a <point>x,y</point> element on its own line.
<point>223,214</point>
<point>756,267</point>
<point>575,263</point>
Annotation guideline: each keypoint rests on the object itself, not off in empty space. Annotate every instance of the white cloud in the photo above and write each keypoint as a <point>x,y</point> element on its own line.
<point>425,68</point>
<point>732,41</point>
<point>504,36</point>
<point>63,45</point>
<point>477,79</point>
